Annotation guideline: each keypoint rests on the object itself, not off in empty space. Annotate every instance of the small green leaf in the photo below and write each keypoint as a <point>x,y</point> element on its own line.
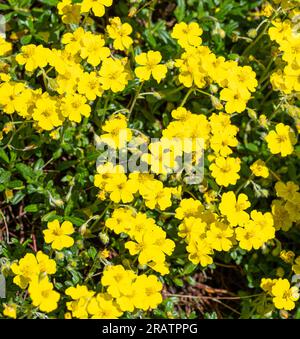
<point>180,10</point>
<point>4,156</point>
<point>31,208</point>
<point>25,40</point>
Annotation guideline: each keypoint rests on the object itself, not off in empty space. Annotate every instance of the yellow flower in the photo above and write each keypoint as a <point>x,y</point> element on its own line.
<point>78,292</point>
<point>139,224</point>
<point>43,296</point>
<point>26,270</point>
<point>120,188</point>
<point>192,228</point>
<point>117,134</point>
<point>117,279</point>
<point>234,208</point>
<point>162,156</point>
<point>150,66</point>
<point>74,106</point>
<point>266,284</point>
<point>112,75</point>
<point>296,266</point>
<point>10,310</point>
<point>284,295</point>
<point>32,57</point>
<point>281,140</point>
<point>189,208</point>
<point>221,142</point>
<point>200,252</point>
<point>260,169</point>
<point>89,85</point>
<point>119,33</point>
<point>187,34</point>
<point>74,40</point>
<point>151,245</point>
<point>121,221</point>
<point>93,49</point>
<point>267,10</point>
<point>265,225</point>
<point>46,265</point>
<point>46,112</point>
<point>97,6</point>
<point>243,77</point>
<point>102,306</point>
<point>148,290</point>
<point>249,236</point>
<point>70,12</point>
<point>5,47</point>
<point>219,236</point>
<point>81,297</point>
<point>287,256</point>
<point>58,236</point>
<point>9,92</point>
<point>159,195</point>
<point>286,191</point>
<point>225,170</point>
<point>236,99</point>
<point>280,30</point>
<point>282,219</point>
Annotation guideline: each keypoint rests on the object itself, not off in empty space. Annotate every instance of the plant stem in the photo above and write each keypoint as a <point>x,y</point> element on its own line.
<point>135,99</point>
<point>186,97</point>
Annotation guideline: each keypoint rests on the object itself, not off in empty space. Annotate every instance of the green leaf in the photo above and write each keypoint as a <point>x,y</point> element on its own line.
<point>178,282</point>
<point>252,147</point>
<point>51,216</point>
<point>16,184</point>
<point>4,156</point>
<point>4,7</point>
<point>4,176</point>
<point>150,38</point>
<point>31,208</point>
<point>74,220</point>
<point>92,252</point>
<point>26,171</point>
<point>17,197</point>
<point>25,40</point>
<point>51,3</point>
<point>180,10</point>
<point>189,268</point>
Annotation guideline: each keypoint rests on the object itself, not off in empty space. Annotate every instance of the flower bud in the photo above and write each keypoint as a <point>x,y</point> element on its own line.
<point>104,238</point>
<point>252,33</point>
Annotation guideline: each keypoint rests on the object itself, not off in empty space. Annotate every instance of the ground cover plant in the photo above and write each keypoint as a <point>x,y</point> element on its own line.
<point>149,159</point>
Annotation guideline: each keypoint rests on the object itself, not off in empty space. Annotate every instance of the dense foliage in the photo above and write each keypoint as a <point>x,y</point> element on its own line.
<point>214,83</point>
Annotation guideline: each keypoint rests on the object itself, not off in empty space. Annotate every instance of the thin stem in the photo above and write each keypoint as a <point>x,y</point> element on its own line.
<point>135,99</point>
<point>258,38</point>
<point>203,92</point>
<point>186,97</point>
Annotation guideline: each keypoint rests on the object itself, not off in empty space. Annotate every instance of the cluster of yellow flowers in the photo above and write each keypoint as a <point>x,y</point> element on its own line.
<point>71,13</point>
<point>33,272</point>
<point>148,240</point>
<point>126,291</point>
<point>285,210</point>
<point>286,80</point>
<point>200,67</point>
<point>205,231</point>
<point>283,295</point>
<point>89,66</point>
